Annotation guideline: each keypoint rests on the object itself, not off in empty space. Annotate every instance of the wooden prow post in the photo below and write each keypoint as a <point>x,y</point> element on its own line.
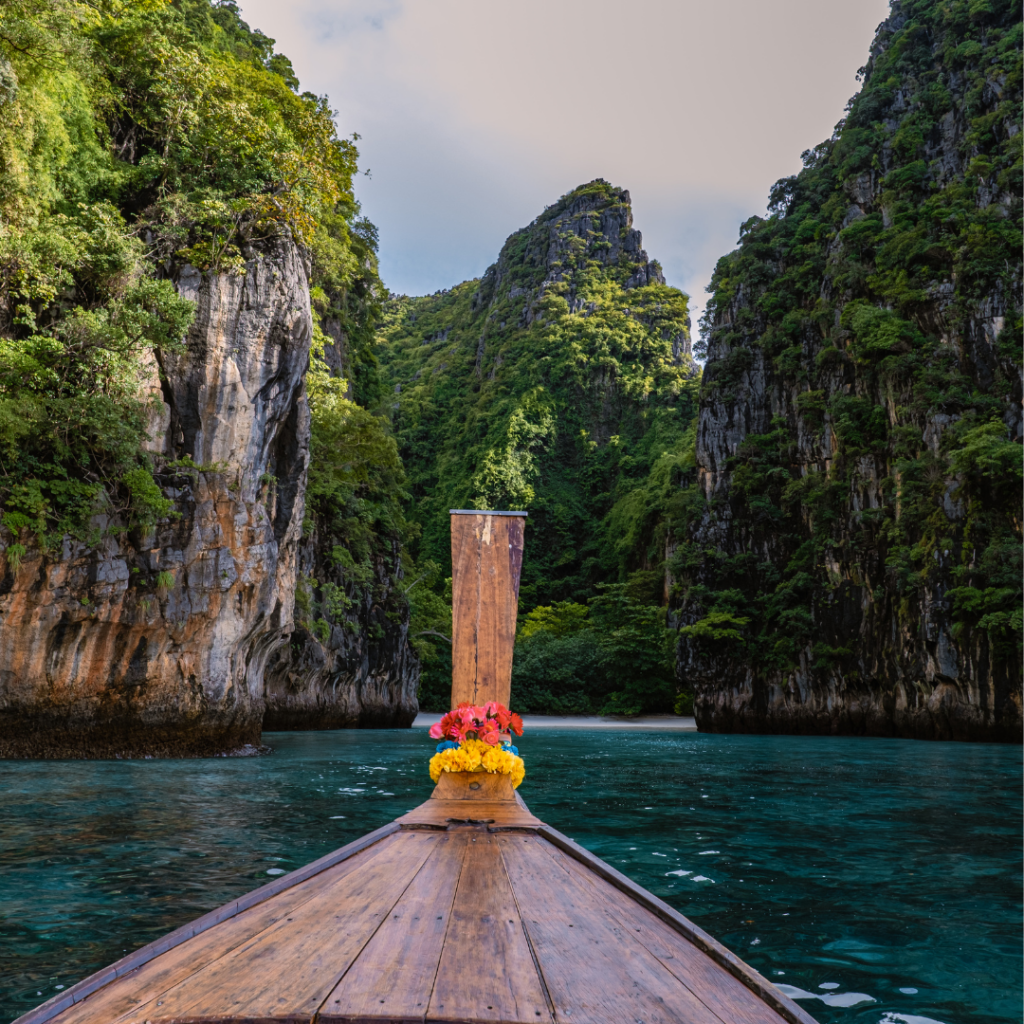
<point>487,557</point>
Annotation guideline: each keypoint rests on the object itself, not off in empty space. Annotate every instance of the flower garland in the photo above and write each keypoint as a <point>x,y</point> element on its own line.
<point>477,756</point>
<point>473,741</point>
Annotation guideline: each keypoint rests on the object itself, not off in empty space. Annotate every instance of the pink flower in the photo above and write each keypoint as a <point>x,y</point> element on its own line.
<point>489,733</point>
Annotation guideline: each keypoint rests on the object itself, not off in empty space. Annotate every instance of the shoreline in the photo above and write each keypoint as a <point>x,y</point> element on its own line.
<point>671,723</point>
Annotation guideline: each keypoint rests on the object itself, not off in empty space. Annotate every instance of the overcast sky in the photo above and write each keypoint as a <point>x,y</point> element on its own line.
<point>476,114</point>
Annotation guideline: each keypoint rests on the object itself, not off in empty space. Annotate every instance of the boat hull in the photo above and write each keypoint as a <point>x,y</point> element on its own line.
<point>468,908</point>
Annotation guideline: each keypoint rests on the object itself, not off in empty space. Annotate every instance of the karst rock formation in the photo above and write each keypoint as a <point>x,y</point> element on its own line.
<point>157,642</point>
<point>854,553</point>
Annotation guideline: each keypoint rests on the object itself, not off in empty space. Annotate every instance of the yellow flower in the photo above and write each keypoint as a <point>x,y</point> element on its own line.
<point>475,756</point>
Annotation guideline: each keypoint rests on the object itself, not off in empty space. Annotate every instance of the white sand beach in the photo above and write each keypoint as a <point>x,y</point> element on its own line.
<point>675,723</point>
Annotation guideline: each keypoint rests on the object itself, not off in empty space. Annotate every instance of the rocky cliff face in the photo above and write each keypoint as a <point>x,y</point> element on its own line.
<point>161,642</point>
<point>348,662</point>
<point>155,643</point>
<point>858,448</point>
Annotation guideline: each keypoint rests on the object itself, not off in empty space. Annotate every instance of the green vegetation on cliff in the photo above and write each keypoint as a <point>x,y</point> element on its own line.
<point>559,383</point>
<point>879,305</point>
<point>132,135</point>
<point>139,136</point>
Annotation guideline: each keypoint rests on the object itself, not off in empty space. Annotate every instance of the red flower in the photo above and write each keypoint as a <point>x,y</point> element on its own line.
<point>468,721</point>
<point>488,732</point>
<point>466,716</point>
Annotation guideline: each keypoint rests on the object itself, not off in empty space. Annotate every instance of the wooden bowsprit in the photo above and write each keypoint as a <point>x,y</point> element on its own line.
<point>468,908</point>
<point>487,557</point>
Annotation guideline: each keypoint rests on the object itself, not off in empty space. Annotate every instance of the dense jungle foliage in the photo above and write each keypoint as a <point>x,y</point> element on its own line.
<point>560,383</point>
<point>883,293</point>
<point>135,135</point>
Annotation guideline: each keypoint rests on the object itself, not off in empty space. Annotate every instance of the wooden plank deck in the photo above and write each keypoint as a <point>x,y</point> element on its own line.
<point>437,920</point>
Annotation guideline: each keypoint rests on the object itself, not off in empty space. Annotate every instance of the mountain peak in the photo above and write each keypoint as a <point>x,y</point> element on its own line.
<point>590,226</point>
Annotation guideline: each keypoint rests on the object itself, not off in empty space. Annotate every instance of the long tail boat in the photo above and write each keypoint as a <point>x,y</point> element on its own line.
<point>468,908</point>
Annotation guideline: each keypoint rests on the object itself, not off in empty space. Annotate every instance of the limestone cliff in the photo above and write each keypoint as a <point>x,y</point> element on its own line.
<point>561,382</point>
<point>158,422</point>
<point>852,559</point>
<point>348,662</point>
<point>156,642</point>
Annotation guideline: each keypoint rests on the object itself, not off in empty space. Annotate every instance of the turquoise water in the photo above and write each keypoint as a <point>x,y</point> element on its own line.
<point>879,879</point>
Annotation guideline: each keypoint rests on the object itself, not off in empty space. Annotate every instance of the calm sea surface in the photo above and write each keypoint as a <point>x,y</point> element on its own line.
<point>878,880</point>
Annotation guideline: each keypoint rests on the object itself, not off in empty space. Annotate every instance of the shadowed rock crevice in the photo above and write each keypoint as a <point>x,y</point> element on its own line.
<point>361,672</point>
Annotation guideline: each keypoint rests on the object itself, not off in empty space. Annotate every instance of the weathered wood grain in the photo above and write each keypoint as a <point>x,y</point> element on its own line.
<point>594,968</point>
<point>487,972</point>
<point>386,924</point>
<point>393,976</point>
<point>497,813</point>
<point>722,956</point>
<point>712,984</point>
<point>135,968</point>
<point>286,971</point>
<point>487,554</point>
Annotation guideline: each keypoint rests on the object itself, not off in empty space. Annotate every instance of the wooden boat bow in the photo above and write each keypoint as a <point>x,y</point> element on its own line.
<point>467,908</point>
